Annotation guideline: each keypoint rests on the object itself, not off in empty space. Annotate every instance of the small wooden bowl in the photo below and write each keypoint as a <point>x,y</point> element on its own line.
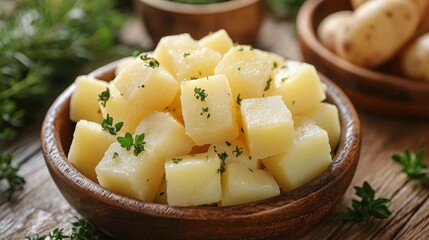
<point>240,18</point>
<point>368,89</point>
<point>288,214</point>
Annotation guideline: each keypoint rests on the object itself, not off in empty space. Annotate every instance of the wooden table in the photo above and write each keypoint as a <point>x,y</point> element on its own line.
<point>40,207</point>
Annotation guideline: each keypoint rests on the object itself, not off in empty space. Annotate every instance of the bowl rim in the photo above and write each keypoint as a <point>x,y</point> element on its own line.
<point>307,31</point>
<point>56,161</point>
<point>198,9</point>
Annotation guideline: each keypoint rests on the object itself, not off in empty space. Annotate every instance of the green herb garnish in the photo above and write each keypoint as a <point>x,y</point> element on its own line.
<point>200,94</point>
<point>107,125</point>
<point>176,160</point>
<point>82,229</point>
<point>239,99</point>
<point>149,61</point>
<point>104,96</point>
<point>10,174</point>
<point>367,207</point>
<point>186,54</point>
<point>205,110</point>
<point>238,151</point>
<point>128,142</point>
<point>115,155</point>
<point>222,157</point>
<point>412,164</point>
<point>268,85</point>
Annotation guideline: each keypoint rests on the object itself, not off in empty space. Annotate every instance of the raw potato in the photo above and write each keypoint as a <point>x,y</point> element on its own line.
<point>415,59</point>
<point>88,146</point>
<point>308,158</point>
<point>241,184</point>
<point>83,102</point>
<point>218,41</point>
<point>210,119</point>
<point>268,126</point>
<point>330,27</point>
<point>376,31</point>
<point>193,180</point>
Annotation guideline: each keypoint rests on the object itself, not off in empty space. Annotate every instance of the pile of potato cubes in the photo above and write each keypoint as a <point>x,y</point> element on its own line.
<point>203,122</point>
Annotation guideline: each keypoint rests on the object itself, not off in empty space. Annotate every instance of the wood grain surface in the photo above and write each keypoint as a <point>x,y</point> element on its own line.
<point>40,207</point>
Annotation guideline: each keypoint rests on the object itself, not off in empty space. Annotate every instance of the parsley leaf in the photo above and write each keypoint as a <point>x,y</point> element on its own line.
<point>176,160</point>
<point>107,125</point>
<point>222,157</point>
<point>200,93</point>
<point>150,61</point>
<point>104,96</point>
<point>367,207</point>
<point>128,142</point>
<point>412,164</point>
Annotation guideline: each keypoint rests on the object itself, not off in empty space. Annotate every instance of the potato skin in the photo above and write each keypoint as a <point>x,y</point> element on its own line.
<point>376,31</point>
<point>328,29</point>
<point>415,59</point>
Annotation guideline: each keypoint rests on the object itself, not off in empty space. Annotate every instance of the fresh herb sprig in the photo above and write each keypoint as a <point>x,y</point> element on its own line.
<point>82,229</point>
<point>222,157</point>
<point>104,96</point>
<point>107,125</point>
<point>200,94</point>
<point>412,164</point>
<point>41,45</point>
<point>128,142</point>
<point>149,61</point>
<point>367,207</point>
<point>10,174</point>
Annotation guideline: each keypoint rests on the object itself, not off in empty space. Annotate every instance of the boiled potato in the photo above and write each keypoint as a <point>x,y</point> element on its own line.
<point>84,100</point>
<point>376,31</point>
<point>415,59</point>
<point>299,86</point>
<point>161,194</point>
<point>218,41</point>
<point>208,110</point>
<point>241,184</point>
<point>184,58</point>
<point>268,126</point>
<point>88,146</point>
<point>123,63</point>
<point>329,28</point>
<point>308,157</point>
<point>235,151</point>
<point>193,180</point>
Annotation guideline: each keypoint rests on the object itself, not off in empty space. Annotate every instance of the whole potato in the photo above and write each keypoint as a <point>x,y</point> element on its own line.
<point>421,4</point>
<point>415,59</point>
<point>330,26</point>
<point>376,31</point>
<point>357,3</point>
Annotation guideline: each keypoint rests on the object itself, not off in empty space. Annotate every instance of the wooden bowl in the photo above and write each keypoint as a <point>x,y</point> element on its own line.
<point>288,214</point>
<point>240,18</point>
<point>368,89</point>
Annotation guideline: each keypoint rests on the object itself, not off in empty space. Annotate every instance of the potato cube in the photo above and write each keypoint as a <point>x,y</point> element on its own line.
<point>88,146</point>
<point>268,126</point>
<point>247,70</point>
<point>140,176</point>
<point>146,88</point>
<point>236,152</point>
<point>218,41</point>
<point>241,184</point>
<point>184,58</point>
<point>308,158</point>
<point>123,63</point>
<point>137,177</point>
<point>299,85</point>
<point>193,180</point>
<point>161,194</point>
<point>208,110</point>
<point>325,115</point>
<point>83,102</point>
<point>175,108</point>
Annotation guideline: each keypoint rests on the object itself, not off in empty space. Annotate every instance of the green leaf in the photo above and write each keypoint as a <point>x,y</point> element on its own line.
<point>412,164</point>
<point>126,141</point>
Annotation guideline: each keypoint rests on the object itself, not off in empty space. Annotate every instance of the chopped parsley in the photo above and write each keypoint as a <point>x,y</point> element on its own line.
<point>238,151</point>
<point>150,61</point>
<point>205,110</point>
<point>115,155</point>
<point>284,79</point>
<point>186,54</point>
<point>275,65</point>
<point>268,84</point>
<point>200,94</point>
<point>107,125</point>
<point>194,78</point>
<point>104,96</point>
<point>128,142</point>
<point>176,160</point>
<point>239,99</point>
<point>222,157</point>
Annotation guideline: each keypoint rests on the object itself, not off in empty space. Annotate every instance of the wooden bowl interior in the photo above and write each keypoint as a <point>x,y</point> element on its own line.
<point>368,89</point>
<point>290,213</point>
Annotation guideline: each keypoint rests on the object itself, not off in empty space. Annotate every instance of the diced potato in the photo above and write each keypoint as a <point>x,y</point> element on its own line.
<point>184,58</point>
<point>208,110</point>
<point>146,88</point>
<point>140,176</point>
<point>218,41</point>
<point>237,152</point>
<point>247,70</point>
<point>193,180</point>
<point>325,115</point>
<point>84,100</point>
<point>165,136</point>
<point>299,85</point>
<point>118,108</point>
<point>88,146</point>
<point>268,126</point>
<point>241,184</point>
<point>309,157</point>
<point>175,108</point>
<point>161,194</point>
<point>137,177</point>
<point>123,63</point>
